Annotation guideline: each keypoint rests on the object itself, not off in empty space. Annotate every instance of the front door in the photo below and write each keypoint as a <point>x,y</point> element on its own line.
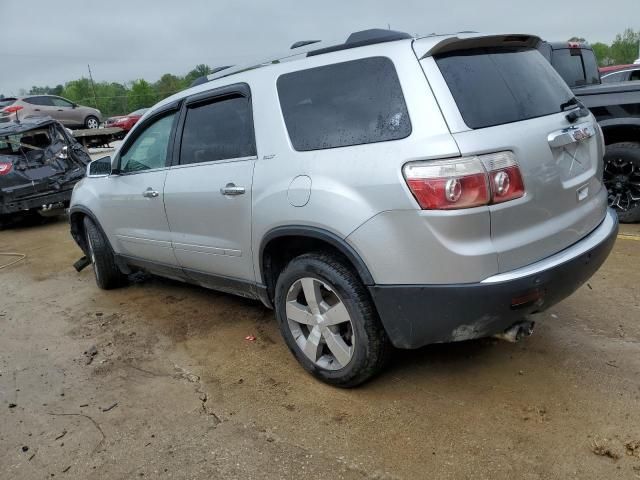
<point>207,193</point>
<point>64,112</point>
<point>132,208</point>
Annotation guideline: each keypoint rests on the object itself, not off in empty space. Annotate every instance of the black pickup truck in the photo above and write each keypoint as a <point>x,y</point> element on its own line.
<point>616,106</point>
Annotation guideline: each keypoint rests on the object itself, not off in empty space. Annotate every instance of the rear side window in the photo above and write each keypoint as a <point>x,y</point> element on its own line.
<point>5,102</point>
<point>343,104</point>
<point>44,101</point>
<point>498,86</point>
<point>219,130</point>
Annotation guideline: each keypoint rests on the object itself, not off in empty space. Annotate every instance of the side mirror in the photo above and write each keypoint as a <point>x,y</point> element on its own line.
<point>100,167</point>
<point>74,105</point>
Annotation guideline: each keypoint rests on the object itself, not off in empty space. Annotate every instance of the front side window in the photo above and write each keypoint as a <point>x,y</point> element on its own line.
<point>343,104</point>
<point>219,130</point>
<point>61,102</point>
<point>149,149</point>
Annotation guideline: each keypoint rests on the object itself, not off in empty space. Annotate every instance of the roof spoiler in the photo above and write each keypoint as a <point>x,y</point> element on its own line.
<point>452,44</point>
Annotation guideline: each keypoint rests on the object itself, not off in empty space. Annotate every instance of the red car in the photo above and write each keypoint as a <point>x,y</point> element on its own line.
<point>614,68</point>
<point>125,122</point>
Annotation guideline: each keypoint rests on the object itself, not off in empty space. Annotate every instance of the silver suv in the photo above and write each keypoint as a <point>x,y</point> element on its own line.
<point>388,190</point>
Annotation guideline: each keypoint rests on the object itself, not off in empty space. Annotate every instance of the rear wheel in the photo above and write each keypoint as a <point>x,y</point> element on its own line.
<point>328,320</point>
<point>107,273</point>
<point>91,122</point>
<point>622,179</point>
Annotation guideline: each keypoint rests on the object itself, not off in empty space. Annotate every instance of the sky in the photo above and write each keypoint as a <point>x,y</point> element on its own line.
<point>47,42</point>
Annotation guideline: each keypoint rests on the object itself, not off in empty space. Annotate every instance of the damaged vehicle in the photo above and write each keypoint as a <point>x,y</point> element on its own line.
<point>40,162</point>
<point>385,191</point>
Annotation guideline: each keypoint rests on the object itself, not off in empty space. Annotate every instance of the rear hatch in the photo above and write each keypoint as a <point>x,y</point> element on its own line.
<point>4,103</point>
<point>509,99</point>
<point>37,162</point>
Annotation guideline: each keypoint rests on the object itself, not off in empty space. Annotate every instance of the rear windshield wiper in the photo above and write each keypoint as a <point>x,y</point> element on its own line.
<point>573,101</point>
<point>574,115</point>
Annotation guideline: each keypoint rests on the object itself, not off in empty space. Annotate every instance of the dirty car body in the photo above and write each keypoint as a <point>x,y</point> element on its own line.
<point>40,162</point>
<point>387,189</point>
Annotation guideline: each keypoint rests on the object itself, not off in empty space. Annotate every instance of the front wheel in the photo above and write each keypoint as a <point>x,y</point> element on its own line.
<point>108,275</point>
<point>328,320</point>
<point>622,178</point>
<point>91,122</point>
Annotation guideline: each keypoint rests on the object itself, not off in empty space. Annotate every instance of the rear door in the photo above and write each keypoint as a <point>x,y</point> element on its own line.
<point>208,189</point>
<point>39,105</point>
<point>511,99</point>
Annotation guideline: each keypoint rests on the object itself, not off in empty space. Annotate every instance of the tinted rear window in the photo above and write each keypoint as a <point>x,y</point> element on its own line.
<point>498,86</point>
<point>576,66</point>
<point>343,104</point>
<point>5,102</point>
<point>219,130</point>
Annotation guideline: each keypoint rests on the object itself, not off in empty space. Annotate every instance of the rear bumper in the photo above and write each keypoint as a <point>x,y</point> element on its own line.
<point>23,204</point>
<point>417,315</point>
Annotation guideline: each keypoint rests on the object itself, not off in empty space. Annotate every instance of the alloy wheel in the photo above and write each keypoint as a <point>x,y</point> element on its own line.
<point>622,179</point>
<point>320,323</point>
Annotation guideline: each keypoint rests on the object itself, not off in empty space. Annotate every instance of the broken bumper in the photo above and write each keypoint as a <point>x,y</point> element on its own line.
<point>417,315</point>
<point>9,206</point>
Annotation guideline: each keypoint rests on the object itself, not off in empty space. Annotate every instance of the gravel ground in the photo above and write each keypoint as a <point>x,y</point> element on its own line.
<point>156,380</point>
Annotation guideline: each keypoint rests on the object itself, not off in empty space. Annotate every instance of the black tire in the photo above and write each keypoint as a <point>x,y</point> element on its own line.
<point>370,342</point>
<point>622,179</point>
<point>108,275</point>
<point>91,122</point>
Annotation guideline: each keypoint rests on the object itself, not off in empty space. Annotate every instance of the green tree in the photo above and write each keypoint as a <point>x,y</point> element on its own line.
<point>624,48</point>
<point>602,53</point>
<point>79,91</point>
<point>141,95</point>
<point>168,85</point>
<point>200,71</point>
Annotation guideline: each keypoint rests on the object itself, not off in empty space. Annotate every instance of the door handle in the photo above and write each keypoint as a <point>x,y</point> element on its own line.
<point>37,109</point>
<point>232,189</point>
<point>150,193</point>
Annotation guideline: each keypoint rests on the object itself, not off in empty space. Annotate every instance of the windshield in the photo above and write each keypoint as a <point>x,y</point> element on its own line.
<point>494,86</point>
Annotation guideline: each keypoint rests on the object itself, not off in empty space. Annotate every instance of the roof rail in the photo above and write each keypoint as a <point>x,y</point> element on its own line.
<point>356,39</point>
<point>302,43</point>
<point>362,38</point>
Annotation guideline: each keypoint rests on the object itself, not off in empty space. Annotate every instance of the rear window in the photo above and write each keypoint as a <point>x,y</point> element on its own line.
<point>577,66</point>
<point>498,86</point>
<point>344,104</point>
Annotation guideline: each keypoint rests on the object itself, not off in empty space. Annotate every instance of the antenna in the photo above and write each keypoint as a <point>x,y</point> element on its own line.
<point>93,87</point>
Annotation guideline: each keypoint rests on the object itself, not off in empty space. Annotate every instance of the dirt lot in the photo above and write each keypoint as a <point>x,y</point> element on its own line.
<point>175,390</point>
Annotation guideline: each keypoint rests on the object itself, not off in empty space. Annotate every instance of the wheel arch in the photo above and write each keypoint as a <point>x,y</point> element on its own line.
<point>281,244</point>
<point>620,130</point>
<point>77,214</point>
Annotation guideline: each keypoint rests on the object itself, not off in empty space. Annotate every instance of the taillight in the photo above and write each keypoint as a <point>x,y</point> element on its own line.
<point>12,108</point>
<point>5,167</point>
<point>505,179</point>
<point>465,182</point>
